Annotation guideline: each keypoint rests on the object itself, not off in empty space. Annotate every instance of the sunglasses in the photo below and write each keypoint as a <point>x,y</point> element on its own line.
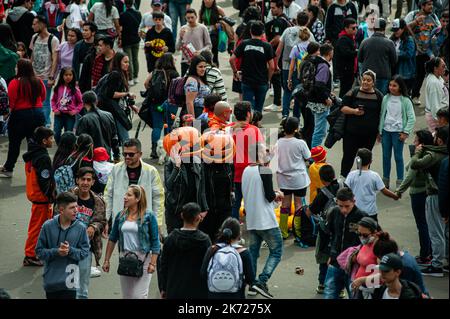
<point>125,154</point>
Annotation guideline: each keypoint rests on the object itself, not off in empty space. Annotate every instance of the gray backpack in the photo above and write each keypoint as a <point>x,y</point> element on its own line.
<point>225,270</point>
<point>329,206</point>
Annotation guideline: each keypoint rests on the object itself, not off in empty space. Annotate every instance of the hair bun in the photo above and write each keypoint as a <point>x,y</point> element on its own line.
<point>227,232</point>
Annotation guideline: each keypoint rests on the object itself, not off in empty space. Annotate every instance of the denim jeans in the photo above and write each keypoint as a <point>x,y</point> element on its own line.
<point>418,208</point>
<point>255,95</point>
<point>133,53</point>
<point>323,269</point>
<point>237,200</point>
<point>335,281</point>
<point>287,95</point>
<point>122,133</point>
<point>320,127</point>
<point>382,85</point>
<point>46,105</point>
<point>177,11</point>
<point>275,242</point>
<point>65,121</point>
<point>84,266</point>
<point>436,228</point>
<point>389,141</point>
<point>157,125</point>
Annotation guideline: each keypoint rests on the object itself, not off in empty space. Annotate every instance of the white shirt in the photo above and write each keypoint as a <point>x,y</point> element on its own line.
<point>365,188</point>
<point>73,20</point>
<point>386,295</point>
<point>436,94</point>
<point>393,121</point>
<point>147,22</point>
<point>130,236</point>
<point>290,12</point>
<point>302,3</point>
<point>260,213</point>
<point>100,19</point>
<point>292,172</point>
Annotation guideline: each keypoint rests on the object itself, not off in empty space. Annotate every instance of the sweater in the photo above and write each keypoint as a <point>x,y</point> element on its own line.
<point>118,183</point>
<point>436,94</point>
<point>415,180</point>
<point>383,63</point>
<point>20,97</point>
<point>197,36</point>
<point>71,102</point>
<point>21,20</point>
<point>408,116</point>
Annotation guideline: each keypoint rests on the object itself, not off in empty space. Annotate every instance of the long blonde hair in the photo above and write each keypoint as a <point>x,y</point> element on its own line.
<point>139,193</point>
<point>304,34</point>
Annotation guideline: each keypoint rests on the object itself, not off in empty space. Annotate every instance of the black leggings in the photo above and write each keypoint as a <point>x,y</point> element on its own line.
<point>421,59</point>
<point>351,144</point>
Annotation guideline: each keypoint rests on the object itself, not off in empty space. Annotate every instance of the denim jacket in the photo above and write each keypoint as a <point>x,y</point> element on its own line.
<point>147,232</point>
<point>406,63</point>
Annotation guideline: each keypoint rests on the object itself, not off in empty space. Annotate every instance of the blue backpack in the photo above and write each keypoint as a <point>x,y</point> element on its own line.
<point>64,178</point>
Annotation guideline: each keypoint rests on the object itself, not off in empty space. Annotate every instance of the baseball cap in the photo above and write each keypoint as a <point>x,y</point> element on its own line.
<point>380,24</point>
<point>156,3</point>
<point>390,262</point>
<point>398,24</point>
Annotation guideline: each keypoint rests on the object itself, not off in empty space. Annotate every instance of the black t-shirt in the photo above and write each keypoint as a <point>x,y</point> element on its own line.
<point>134,174</point>
<point>157,42</point>
<point>85,210</point>
<point>276,27</point>
<point>255,55</point>
<point>130,21</point>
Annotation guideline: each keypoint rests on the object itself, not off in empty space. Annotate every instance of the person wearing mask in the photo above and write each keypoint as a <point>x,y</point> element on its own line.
<point>339,225</point>
<point>366,259</point>
<point>383,63</point>
<point>26,94</point>
<point>229,234</point>
<point>20,19</point>
<point>406,52</point>
<point>192,39</point>
<point>100,125</point>
<point>422,23</point>
<point>44,58</point>
<point>257,66</point>
<point>158,41</point>
<point>362,109</point>
<point>147,19</point>
<point>214,76</point>
<point>415,180</point>
<point>182,258</point>
<point>133,171</point>
<point>135,231</point>
<point>129,38</point>
<point>83,47</point>
<point>106,17</point>
<point>210,15</point>
<point>436,93</point>
<point>177,11</point>
<point>63,242</point>
<point>396,123</point>
<point>259,200</point>
<point>346,56</point>
<point>428,158</point>
<point>91,213</point>
<point>196,87</point>
<point>8,55</point>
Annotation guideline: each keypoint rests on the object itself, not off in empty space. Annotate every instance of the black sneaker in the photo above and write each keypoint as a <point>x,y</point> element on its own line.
<point>320,289</point>
<point>263,290</point>
<point>251,292</point>
<point>424,262</point>
<point>433,272</point>
<point>30,261</point>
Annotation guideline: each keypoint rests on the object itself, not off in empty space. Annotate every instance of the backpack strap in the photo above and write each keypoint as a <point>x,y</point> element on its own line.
<point>49,42</point>
<point>327,193</point>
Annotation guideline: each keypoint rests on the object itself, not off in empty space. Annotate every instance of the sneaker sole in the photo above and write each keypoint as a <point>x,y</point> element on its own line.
<point>436,275</point>
<point>94,276</point>
<point>252,293</point>
<point>262,292</point>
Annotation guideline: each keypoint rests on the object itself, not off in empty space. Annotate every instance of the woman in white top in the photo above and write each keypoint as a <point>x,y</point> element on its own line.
<point>436,94</point>
<point>136,230</point>
<point>292,174</point>
<point>106,17</point>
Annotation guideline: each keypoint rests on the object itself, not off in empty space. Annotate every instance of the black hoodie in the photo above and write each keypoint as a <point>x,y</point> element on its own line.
<point>40,160</point>
<point>21,21</point>
<point>181,262</point>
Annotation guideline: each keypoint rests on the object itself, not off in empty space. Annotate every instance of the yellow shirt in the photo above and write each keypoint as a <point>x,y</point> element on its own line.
<point>316,183</point>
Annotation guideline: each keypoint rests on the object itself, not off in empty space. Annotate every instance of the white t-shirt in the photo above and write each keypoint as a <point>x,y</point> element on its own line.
<point>74,18</point>
<point>393,121</point>
<point>365,188</point>
<point>130,236</point>
<point>386,295</point>
<point>100,19</point>
<point>292,172</point>
<point>42,58</point>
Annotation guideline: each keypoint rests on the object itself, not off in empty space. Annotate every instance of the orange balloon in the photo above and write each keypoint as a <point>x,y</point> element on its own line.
<point>217,147</point>
<point>187,137</point>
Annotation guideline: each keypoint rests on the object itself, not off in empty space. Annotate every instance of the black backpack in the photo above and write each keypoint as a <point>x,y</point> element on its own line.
<point>100,88</point>
<point>307,78</point>
<point>159,84</point>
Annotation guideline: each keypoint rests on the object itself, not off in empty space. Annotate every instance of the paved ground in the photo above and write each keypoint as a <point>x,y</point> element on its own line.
<point>395,217</point>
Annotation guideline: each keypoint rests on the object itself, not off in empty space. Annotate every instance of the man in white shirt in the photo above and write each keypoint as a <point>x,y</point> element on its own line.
<point>147,19</point>
<point>290,9</point>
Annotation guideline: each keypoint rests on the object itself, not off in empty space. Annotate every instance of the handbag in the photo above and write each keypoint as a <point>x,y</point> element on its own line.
<point>130,265</point>
<point>122,113</point>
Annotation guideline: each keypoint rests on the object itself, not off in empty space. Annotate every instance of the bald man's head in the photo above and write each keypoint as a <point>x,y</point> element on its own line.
<point>223,110</point>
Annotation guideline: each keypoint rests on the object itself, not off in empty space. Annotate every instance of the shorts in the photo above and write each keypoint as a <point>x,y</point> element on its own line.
<point>296,192</point>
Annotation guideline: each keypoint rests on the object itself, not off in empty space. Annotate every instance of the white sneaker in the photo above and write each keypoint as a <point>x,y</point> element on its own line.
<point>264,245</point>
<point>130,83</point>
<point>95,272</point>
<point>273,108</point>
<point>136,81</point>
<point>271,92</point>
<point>416,101</point>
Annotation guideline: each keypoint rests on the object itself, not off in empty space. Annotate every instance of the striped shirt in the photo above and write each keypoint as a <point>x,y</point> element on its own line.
<point>215,82</point>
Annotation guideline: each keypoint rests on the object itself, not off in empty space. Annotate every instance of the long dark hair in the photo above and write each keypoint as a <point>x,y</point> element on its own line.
<point>166,62</point>
<point>108,5</point>
<point>7,37</point>
<point>315,12</point>
<point>117,66</point>
<point>214,13</point>
<point>28,82</point>
<point>196,60</point>
<point>401,84</point>
<point>405,35</point>
<point>229,231</point>
<point>72,85</point>
<point>84,148</point>
<point>67,145</point>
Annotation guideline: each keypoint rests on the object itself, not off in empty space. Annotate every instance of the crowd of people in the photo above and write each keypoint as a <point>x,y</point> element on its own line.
<point>70,65</point>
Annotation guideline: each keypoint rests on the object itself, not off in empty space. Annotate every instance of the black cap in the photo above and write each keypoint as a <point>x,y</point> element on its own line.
<point>390,262</point>
<point>380,24</point>
<point>369,223</point>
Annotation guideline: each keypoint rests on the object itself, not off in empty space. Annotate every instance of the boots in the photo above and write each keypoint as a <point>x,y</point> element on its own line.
<point>284,216</point>
<point>153,155</point>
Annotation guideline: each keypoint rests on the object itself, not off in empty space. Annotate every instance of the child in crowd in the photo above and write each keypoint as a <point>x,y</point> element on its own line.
<point>66,102</point>
<point>102,167</point>
<point>319,156</point>
<point>442,117</point>
<point>366,183</point>
<point>257,119</point>
<point>22,50</point>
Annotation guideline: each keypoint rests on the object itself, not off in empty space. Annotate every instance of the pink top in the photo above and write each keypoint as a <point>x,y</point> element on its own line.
<point>64,101</point>
<point>65,55</point>
<point>365,258</point>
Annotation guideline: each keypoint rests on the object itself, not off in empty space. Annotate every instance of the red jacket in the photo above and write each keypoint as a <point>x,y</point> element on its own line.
<point>20,98</point>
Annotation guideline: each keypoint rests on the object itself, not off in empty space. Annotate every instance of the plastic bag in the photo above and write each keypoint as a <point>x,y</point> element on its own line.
<point>223,40</point>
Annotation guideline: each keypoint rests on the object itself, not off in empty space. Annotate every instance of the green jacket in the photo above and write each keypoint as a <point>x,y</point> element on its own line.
<point>429,160</point>
<point>415,180</point>
<point>408,116</point>
<point>8,61</point>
